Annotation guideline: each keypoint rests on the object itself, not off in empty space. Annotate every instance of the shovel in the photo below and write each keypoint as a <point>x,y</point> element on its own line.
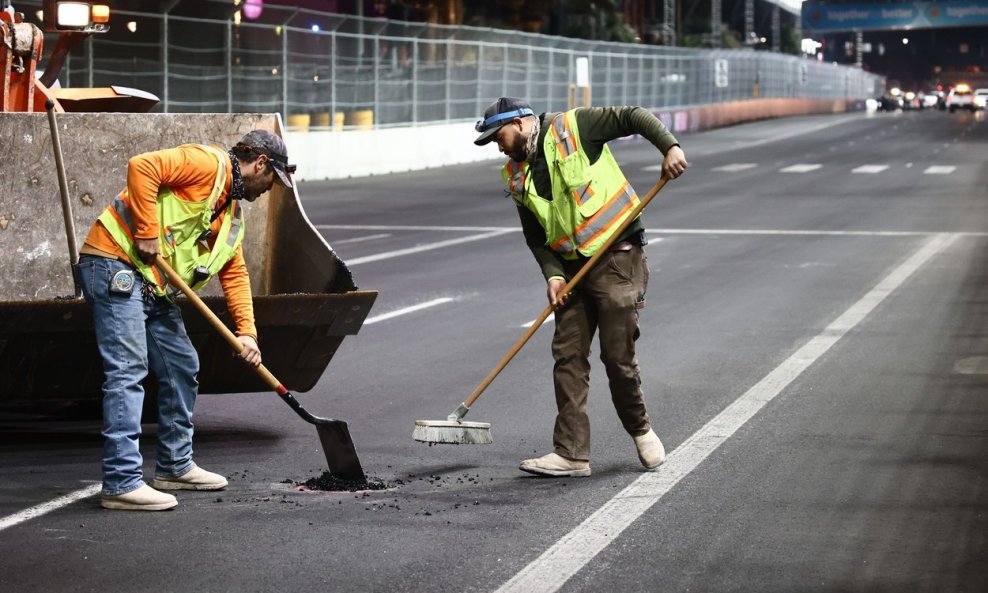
<point>341,456</point>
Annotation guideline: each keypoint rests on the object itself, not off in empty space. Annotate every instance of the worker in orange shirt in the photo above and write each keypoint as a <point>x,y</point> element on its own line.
<point>184,205</point>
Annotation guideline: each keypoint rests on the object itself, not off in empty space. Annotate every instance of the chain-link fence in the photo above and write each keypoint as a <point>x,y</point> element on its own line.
<point>321,70</point>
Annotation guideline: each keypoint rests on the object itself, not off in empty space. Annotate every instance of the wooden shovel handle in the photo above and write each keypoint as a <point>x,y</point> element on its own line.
<point>215,321</point>
<point>566,290</point>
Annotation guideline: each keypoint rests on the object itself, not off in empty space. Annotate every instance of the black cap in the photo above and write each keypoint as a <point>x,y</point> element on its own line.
<point>270,144</point>
<point>499,113</point>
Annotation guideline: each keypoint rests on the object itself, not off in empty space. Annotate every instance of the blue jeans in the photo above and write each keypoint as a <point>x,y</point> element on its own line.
<point>134,334</point>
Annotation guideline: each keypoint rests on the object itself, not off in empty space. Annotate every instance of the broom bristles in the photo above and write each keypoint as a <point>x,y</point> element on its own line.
<point>452,433</point>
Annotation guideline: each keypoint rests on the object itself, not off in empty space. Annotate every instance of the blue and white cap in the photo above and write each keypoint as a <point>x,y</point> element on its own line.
<point>499,113</point>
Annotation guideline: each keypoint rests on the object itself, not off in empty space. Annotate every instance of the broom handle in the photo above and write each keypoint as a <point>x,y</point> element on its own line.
<point>566,290</point>
<point>215,321</point>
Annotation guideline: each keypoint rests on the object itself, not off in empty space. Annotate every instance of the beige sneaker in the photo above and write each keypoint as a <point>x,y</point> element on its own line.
<point>194,479</point>
<point>144,498</point>
<point>556,465</point>
<point>650,450</point>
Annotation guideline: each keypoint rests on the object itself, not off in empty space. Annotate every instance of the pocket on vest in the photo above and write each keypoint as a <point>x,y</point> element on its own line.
<point>575,175</point>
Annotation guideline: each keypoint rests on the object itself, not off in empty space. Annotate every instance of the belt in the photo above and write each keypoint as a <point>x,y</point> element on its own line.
<point>622,246</point>
<point>88,249</point>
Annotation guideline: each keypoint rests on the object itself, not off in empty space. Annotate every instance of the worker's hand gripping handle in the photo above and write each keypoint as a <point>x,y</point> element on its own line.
<point>176,280</point>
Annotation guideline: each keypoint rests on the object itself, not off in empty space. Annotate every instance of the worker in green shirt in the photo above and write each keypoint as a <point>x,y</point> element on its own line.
<point>571,197</point>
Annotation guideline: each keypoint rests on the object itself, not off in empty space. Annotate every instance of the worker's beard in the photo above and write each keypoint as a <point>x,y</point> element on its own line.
<point>254,187</point>
<point>526,148</point>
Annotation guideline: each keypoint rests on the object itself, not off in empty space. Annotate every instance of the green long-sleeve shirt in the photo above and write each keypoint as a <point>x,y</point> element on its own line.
<point>597,126</point>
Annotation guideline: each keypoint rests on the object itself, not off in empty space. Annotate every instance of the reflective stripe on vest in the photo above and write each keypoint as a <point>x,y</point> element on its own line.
<point>516,179</point>
<point>620,204</point>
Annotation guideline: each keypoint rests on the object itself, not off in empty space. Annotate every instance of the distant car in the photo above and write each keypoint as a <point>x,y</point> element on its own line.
<point>960,97</point>
<point>889,103</point>
<point>912,100</point>
<point>980,98</point>
<point>930,99</point>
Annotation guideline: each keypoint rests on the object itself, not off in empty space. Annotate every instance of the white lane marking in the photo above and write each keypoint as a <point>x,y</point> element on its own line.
<point>735,167</point>
<point>939,170</point>
<point>800,168</point>
<point>550,571</point>
<point>359,239</point>
<point>806,232</point>
<point>407,310</point>
<point>47,507</point>
<point>551,317</point>
<point>870,169</point>
<point>793,232</point>
<point>426,247</point>
<point>385,227</point>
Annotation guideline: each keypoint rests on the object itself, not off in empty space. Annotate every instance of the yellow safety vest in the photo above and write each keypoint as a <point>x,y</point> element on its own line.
<point>183,233</point>
<point>588,202</point>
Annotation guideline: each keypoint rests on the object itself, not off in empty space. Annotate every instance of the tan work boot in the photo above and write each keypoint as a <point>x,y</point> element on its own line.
<point>650,450</point>
<point>194,479</point>
<point>144,498</point>
<point>556,465</point>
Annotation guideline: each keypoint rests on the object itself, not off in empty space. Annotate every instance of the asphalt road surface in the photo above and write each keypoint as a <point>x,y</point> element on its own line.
<point>814,354</point>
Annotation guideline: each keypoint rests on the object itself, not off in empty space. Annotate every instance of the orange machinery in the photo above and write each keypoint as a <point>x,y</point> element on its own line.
<point>24,89</point>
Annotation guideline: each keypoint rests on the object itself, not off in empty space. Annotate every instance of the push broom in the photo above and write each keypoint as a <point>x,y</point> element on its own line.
<point>454,430</point>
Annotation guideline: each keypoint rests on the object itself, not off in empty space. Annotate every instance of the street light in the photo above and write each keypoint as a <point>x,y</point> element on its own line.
<point>84,17</point>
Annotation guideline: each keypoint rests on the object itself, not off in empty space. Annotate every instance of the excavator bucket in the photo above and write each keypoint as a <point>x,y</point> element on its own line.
<point>305,299</point>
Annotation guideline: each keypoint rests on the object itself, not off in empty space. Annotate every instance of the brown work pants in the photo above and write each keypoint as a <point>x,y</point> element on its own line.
<point>608,298</point>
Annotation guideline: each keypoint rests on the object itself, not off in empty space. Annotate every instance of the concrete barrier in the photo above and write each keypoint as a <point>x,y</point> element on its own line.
<point>359,153</point>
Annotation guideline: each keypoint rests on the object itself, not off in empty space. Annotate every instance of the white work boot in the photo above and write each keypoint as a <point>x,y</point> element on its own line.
<point>194,479</point>
<point>144,498</point>
<point>556,465</point>
<point>650,450</point>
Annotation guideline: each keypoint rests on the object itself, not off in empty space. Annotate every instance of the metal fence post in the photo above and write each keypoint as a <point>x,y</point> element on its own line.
<point>89,63</point>
<point>164,63</point>
<point>228,57</point>
<point>164,54</point>
<point>332,78</point>
<point>376,103</point>
<point>449,76</point>
<point>528,75</point>
<point>284,72</point>
<point>504,70</point>
<point>415,81</point>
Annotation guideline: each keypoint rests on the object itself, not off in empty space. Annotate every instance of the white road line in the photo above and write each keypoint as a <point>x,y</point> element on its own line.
<point>45,508</point>
<point>806,232</point>
<point>735,167</point>
<point>870,169</point>
<point>359,239</point>
<point>939,170</point>
<point>385,227</point>
<point>794,232</point>
<point>420,248</point>
<point>407,310</point>
<point>800,168</point>
<point>551,317</point>
<point>550,571</point>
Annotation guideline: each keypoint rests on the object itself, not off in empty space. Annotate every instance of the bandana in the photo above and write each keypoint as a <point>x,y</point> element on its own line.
<point>237,185</point>
<point>532,148</point>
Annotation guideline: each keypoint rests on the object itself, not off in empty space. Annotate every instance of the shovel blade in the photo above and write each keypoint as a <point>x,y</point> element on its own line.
<point>341,456</point>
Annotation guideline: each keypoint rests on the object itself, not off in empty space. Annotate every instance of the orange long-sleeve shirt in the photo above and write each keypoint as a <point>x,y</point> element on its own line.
<point>189,171</point>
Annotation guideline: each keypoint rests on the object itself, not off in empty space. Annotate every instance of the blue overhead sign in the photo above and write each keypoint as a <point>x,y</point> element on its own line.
<point>901,15</point>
